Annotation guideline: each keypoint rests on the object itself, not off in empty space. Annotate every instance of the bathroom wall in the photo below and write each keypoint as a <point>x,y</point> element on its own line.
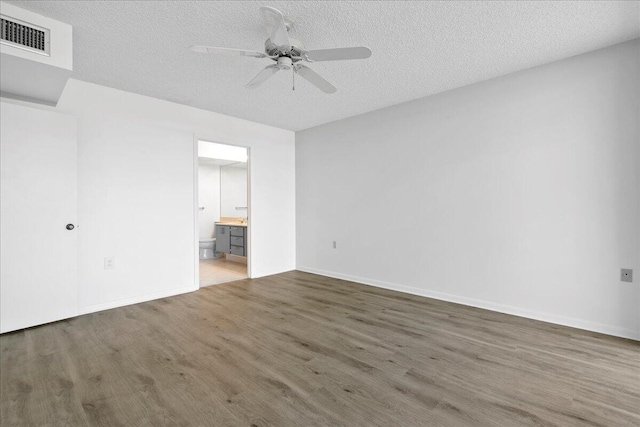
<point>208,198</point>
<point>233,191</point>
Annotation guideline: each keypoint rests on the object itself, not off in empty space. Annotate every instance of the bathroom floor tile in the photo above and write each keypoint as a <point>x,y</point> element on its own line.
<point>215,271</point>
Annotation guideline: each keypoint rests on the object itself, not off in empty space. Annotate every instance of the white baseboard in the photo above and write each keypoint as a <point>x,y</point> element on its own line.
<point>487,305</point>
<point>135,300</point>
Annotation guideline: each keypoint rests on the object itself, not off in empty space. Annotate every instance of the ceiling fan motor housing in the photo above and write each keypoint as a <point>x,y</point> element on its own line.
<point>297,48</point>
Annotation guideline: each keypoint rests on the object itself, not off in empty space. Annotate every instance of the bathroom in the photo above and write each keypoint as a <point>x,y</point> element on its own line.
<point>223,213</point>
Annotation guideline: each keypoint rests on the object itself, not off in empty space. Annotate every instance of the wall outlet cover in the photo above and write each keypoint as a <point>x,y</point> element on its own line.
<point>109,263</point>
<point>626,275</point>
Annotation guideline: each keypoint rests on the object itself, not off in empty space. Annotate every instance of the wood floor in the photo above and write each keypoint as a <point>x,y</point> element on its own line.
<point>297,349</point>
<point>220,270</point>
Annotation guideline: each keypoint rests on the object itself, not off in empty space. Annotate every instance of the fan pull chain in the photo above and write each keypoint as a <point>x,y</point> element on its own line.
<point>294,78</point>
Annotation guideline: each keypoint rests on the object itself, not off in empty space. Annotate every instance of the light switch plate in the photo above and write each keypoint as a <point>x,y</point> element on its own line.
<point>626,275</point>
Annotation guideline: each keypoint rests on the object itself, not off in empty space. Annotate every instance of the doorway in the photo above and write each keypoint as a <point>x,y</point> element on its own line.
<point>223,214</point>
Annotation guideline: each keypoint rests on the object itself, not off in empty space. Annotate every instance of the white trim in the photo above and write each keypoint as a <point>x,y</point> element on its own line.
<point>196,223</point>
<point>249,247</point>
<point>487,305</point>
<point>135,300</point>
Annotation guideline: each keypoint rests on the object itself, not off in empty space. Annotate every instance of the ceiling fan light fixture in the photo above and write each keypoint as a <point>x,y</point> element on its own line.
<point>284,63</point>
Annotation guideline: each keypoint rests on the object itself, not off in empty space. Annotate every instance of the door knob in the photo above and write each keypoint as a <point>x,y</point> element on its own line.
<point>70,227</point>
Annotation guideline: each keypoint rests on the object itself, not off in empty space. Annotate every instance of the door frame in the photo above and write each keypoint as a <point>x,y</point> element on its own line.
<point>196,227</point>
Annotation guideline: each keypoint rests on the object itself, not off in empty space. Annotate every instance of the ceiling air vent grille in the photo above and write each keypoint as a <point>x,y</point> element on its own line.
<point>25,36</point>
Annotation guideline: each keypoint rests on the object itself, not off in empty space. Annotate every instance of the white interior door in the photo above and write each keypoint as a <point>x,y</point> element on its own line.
<point>38,198</point>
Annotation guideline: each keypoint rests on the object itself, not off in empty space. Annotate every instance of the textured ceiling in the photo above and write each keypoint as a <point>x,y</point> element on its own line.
<point>419,48</point>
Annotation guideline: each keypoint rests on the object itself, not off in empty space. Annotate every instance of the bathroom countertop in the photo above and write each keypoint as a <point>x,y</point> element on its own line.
<point>232,224</point>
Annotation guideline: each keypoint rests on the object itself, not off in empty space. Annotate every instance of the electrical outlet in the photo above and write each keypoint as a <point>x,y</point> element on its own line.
<point>626,275</point>
<point>109,263</point>
<point>334,244</point>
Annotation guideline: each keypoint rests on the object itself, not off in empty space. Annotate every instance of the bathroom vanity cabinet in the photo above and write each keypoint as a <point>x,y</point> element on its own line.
<point>231,239</point>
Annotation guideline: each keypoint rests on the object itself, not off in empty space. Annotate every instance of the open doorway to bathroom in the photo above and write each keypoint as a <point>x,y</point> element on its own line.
<point>223,213</point>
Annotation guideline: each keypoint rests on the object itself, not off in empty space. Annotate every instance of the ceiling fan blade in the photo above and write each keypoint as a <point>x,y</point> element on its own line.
<point>276,28</point>
<point>339,54</point>
<point>263,75</point>
<point>315,79</point>
<point>227,51</point>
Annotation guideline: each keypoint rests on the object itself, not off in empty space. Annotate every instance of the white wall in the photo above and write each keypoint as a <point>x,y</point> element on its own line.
<point>519,194</point>
<point>208,198</point>
<point>137,196</point>
<point>233,191</point>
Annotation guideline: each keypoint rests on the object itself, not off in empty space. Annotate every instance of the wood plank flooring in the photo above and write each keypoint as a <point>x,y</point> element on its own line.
<point>297,349</point>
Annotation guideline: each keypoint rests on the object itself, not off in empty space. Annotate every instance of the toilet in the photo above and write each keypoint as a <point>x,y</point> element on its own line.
<point>207,248</point>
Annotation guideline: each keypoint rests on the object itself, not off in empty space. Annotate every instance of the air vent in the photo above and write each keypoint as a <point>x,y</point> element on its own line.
<point>24,36</point>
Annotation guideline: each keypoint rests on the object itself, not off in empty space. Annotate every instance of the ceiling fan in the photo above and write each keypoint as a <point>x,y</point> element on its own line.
<point>289,53</point>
